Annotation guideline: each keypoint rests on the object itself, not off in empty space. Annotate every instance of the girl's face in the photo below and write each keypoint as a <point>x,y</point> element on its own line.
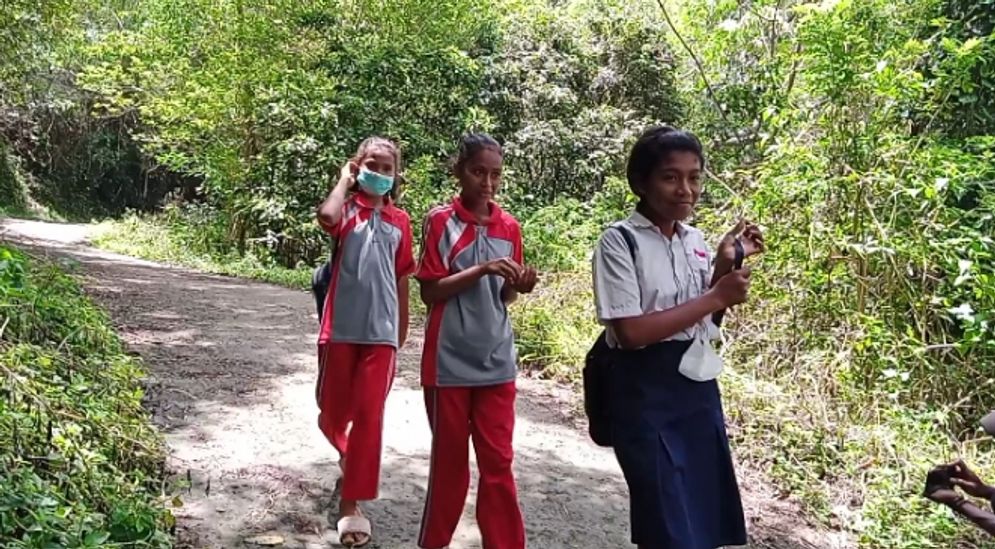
<point>380,160</point>
<point>674,187</point>
<point>480,176</point>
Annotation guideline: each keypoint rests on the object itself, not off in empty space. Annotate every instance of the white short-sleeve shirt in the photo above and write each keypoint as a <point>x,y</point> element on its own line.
<point>667,272</point>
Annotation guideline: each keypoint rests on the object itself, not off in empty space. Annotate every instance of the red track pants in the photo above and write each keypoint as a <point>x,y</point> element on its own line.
<point>352,390</point>
<point>488,415</point>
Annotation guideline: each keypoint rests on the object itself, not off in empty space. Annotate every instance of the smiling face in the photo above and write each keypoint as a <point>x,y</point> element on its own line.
<point>673,188</point>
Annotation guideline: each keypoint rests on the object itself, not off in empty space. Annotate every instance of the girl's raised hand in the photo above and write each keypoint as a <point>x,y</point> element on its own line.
<point>749,235</point>
<point>348,173</point>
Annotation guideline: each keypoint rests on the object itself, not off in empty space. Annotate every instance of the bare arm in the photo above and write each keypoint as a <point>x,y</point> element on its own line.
<point>981,518</point>
<point>403,315</point>
<point>330,211</point>
<point>640,331</point>
<point>723,266</point>
<point>437,291</point>
<point>750,238</point>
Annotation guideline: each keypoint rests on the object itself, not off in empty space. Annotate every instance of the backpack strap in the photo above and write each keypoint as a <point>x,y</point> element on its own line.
<point>334,251</point>
<point>630,240</point>
<point>630,243</point>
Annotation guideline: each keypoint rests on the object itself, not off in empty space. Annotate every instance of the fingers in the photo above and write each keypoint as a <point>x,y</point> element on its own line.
<point>753,233</point>
<point>529,278</point>
<point>958,467</point>
<point>508,269</point>
<point>348,172</point>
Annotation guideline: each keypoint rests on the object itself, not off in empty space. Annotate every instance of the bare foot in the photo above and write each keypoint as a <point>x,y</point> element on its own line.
<point>350,508</point>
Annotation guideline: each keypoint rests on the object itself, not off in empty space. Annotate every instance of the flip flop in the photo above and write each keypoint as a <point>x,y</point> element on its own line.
<point>356,526</point>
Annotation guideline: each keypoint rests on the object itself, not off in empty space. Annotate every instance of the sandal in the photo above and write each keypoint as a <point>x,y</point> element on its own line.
<point>358,527</point>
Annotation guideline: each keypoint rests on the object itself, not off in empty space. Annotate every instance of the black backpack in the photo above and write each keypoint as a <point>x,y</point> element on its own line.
<point>322,279</point>
<point>597,373</point>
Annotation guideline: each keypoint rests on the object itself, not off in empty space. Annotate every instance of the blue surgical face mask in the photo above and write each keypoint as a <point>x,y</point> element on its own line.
<point>374,182</point>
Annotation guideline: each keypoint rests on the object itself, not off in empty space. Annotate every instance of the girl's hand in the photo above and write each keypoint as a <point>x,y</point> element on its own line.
<point>963,477</point>
<point>946,496</point>
<point>504,267</point>
<point>733,288</point>
<point>748,234</point>
<point>526,281</point>
<point>348,173</point>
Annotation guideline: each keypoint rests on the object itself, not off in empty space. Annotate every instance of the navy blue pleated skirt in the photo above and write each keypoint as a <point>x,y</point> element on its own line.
<point>670,440</point>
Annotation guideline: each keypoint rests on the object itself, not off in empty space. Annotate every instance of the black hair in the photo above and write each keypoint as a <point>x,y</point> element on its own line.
<point>471,144</point>
<point>653,147</point>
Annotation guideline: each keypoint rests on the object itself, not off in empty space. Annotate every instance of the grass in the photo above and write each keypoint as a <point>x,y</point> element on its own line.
<point>81,462</point>
<point>151,238</point>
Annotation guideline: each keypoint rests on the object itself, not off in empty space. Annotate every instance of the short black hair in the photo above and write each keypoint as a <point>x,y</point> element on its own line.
<point>471,144</point>
<point>653,147</point>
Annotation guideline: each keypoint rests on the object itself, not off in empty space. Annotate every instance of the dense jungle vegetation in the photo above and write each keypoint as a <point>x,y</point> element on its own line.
<point>859,133</point>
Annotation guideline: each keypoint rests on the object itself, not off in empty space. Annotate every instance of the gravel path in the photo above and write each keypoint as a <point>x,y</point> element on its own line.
<point>232,371</point>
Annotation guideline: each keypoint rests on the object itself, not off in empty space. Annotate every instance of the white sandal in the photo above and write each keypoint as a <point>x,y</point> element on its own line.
<point>357,527</point>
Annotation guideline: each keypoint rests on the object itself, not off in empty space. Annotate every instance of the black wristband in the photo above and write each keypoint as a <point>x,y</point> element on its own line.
<point>740,254</point>
<point>737,264</point>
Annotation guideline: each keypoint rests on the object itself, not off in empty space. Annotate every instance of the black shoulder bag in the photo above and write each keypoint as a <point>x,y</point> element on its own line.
<point>597,373</point>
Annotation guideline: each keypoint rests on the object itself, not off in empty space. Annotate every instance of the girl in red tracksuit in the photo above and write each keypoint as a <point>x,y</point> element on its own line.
<point>365,321</point>
<point>471,269</point>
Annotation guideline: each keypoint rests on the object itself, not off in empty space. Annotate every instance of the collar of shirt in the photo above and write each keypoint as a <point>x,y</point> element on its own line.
<point>640,221</point>
<point>361,200</point>
<point>467,216</point>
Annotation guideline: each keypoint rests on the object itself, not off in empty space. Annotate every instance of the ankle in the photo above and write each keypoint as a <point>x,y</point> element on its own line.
<point>348,507</point>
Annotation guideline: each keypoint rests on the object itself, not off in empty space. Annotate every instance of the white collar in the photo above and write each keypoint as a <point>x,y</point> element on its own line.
<point>640,221</point>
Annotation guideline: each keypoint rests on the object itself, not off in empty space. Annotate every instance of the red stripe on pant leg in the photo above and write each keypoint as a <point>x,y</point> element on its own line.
<point>449,472</point>
<point>493,424</point>
<point>430,350</point>
<point>334,393</point>
<point>371,383</point>
<point>430,395</point>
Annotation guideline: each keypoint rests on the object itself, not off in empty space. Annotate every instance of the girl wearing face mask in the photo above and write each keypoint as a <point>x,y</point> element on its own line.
<point>364,322</point>
<point>471,268</point>
<point>657,291</point>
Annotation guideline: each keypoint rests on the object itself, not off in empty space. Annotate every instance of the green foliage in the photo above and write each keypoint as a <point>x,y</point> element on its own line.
<point>859,133</point>
<point>81,463</point>
<point>188,237</point>
<point>264,102</point>
<point>568,93</point>
<point>880,227</point>
<point>13,195</point>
